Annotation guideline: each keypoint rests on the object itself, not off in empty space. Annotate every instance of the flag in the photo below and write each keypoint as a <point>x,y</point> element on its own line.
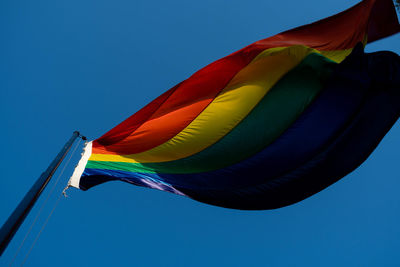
<point>266,126</point>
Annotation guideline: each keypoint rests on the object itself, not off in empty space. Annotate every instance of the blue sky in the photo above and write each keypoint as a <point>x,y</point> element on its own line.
<point>87,65</point>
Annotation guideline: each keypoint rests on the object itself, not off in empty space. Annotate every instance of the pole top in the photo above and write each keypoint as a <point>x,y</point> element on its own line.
<point>79,135</point>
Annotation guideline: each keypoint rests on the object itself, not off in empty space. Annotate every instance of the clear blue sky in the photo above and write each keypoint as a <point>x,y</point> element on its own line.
<point>87,65</point>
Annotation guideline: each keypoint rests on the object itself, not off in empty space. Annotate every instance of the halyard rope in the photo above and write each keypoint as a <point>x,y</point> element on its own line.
<point>41,209</point>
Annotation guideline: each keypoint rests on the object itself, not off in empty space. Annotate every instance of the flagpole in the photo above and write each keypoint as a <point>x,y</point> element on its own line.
<point>15,220</point>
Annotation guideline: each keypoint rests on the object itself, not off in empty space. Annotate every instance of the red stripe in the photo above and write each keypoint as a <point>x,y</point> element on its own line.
<point>383,21</point>
<point>129,125</point>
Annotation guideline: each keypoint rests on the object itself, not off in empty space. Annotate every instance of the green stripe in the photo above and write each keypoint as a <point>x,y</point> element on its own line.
<point>266,122</point>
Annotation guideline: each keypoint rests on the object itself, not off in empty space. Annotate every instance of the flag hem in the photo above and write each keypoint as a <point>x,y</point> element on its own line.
<point>76,176</point>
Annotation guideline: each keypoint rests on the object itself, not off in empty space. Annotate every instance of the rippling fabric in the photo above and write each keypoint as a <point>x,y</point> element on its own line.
<point>266,126</point>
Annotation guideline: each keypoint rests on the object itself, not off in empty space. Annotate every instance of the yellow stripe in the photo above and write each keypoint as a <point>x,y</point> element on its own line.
<point>232,105</point>
<point>339,55</point>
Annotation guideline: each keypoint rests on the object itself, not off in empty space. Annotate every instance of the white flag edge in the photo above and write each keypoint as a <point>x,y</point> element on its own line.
<point>76,176</point>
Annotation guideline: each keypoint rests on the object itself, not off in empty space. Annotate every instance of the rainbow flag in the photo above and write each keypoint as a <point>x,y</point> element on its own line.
<point>265,126</point>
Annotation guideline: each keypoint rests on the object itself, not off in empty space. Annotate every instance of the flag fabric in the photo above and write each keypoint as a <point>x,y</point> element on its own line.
<point>266,126</point>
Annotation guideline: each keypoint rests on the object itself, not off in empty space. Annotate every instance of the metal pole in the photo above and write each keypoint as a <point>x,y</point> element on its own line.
<point>15,220</point>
